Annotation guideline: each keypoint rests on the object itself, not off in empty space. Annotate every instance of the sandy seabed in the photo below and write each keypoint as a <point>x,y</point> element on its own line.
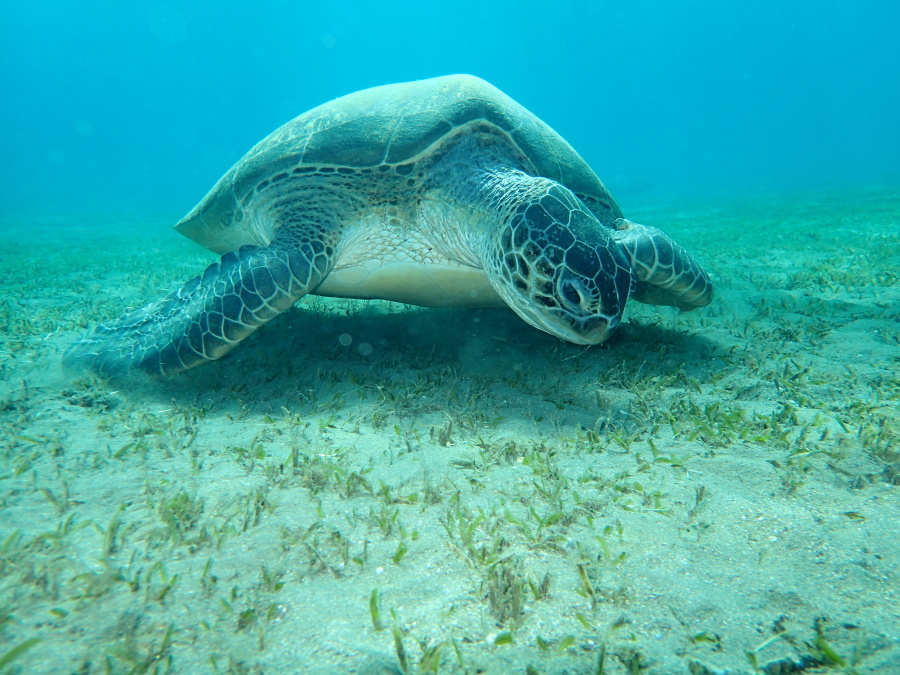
<point>364,487</point>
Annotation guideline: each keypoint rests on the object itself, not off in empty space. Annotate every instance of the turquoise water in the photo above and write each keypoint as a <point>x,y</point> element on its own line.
<point>371,488</point>
<point>110,106</point>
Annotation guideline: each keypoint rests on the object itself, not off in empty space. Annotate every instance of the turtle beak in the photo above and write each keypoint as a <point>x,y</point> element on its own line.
<point>592,330</point>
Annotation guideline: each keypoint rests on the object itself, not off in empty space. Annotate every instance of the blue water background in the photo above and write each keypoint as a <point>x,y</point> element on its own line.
<point>126,107</point>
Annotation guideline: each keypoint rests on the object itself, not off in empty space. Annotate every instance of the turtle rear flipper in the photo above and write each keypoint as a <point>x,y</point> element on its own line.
<point>207,317</point>
<point>666,273</point>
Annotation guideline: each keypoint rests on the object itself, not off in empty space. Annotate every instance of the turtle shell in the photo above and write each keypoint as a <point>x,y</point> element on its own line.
<point>389,125</point>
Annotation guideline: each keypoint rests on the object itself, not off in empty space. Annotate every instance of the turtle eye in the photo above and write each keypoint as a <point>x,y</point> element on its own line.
<point>573,292</point>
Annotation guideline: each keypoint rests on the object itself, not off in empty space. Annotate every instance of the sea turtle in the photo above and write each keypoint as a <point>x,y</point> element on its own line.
<point>441,192</point>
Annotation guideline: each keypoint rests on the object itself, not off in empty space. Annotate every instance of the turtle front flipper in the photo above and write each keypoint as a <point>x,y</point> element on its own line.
<point>208,316</point>
<point>666,273</point>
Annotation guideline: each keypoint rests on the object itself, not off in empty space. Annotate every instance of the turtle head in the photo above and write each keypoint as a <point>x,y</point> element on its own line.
<point>560,270</point>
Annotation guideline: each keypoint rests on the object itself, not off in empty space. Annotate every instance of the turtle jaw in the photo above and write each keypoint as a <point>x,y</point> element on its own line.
<point>591,329</point>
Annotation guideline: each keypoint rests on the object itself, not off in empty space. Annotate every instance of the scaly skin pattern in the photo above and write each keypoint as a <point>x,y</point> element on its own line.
<point>553,262</point>
<point>666,273</point>
<point>208,316</point>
